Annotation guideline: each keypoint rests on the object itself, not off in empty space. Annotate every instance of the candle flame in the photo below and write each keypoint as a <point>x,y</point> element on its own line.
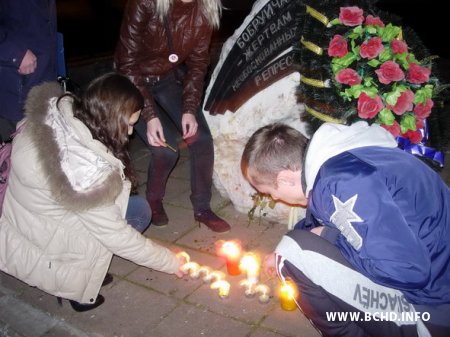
<point>250,263</point>
<point>262,289</point>
<point>185,255</point>
<point>190,267</point>
<point>214,276</point>
<point>230,249</point>
<point>223,286</point>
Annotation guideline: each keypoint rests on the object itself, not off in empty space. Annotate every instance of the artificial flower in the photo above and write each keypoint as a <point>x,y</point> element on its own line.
<point>374,68</point>
<point>351,16</point>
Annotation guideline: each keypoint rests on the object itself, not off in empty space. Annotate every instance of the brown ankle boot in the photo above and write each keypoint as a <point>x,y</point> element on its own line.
<point>212,221</point>
<point>159,216</point>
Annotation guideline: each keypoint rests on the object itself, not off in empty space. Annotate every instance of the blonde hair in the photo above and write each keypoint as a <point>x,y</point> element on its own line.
<point>211,9</point>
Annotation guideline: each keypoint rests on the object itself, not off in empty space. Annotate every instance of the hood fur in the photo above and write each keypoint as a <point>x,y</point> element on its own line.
<point>43,136</point>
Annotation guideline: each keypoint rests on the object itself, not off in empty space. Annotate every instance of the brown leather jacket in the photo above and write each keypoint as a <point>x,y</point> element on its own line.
<point>143,49</point>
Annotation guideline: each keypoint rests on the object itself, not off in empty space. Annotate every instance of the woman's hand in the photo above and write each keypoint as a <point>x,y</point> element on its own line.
<point>28,64</point>
<point>155,133</point>
<point>189,124</point>
<point>181,261</point>
<point>269,265</point>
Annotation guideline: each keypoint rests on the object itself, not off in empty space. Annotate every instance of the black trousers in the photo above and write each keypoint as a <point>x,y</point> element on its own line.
<point>340,301</point>
<point>167,93</point>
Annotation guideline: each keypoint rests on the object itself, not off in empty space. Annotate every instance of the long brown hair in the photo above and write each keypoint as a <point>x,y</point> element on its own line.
<point>105,108</point>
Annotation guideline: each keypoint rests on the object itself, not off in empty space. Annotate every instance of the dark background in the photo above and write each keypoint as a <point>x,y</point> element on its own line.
<point>91,27</point>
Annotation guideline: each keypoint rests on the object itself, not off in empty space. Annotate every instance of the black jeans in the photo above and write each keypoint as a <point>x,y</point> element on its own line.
<point>167,93</point>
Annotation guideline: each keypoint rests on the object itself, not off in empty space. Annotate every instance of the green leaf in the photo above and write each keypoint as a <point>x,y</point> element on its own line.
<point>385,55</point>
<point>392,96</point>
<point>339,63</point>
<point>386,116</point>
<point>370,91</point>
<point>390,32</point>
<point>335,22</point>
<point>373,63</point>
<point>357,32</point>
<point>408,122</point>
<point>423,94</point>
<point>402,60</point>
<point>371,29</point>
<point>353,92</point>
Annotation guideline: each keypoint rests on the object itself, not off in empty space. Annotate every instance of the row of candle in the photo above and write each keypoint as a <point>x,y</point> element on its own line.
<point>237,262</point>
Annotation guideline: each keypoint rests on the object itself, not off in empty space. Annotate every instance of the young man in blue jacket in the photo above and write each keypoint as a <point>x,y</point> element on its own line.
<point>27,54</point>
<point>372,255</point>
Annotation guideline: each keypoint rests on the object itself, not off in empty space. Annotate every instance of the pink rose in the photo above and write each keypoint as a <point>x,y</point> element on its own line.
<point>414,136</point>
<point>373,20</point>
<point>337,47</point>
<point>423,110</point>
<point>372,48</point>
<point>394,129</point>
<point>418,74</point>
<point>420,123</point>
<point>348,76</point>
<point>369,107</point>
<point>389,71</point>
<point>404,103</point>
<point>399,47</point>
<point>351,16</point>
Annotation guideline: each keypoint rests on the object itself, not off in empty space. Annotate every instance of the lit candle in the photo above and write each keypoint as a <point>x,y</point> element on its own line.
<point>249,288</point>
<point>264,292</point>
<point>185,255</point>
<point>287,296</point>
<point>214,276</point>
<point>232,252</point>
<point>203,270</point>
<point>191,268</point>
<point>250,264</point>
<point>223,286</point>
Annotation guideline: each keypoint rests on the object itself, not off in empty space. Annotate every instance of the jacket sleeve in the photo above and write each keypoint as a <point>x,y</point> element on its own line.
<point>115,234</point>
<point>136,16</point>
<point>390,254</point>
<point>12,44</point>
<point>197,65</point>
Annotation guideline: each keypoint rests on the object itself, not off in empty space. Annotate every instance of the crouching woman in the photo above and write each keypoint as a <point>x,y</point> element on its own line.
<point>67,208</point>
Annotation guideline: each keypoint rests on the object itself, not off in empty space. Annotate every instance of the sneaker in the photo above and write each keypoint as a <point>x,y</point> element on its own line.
<point>212,221</point>
<point>159,216</point>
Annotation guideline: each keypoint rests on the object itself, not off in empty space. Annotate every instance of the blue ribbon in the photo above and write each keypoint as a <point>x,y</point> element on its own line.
<point>420,149</point>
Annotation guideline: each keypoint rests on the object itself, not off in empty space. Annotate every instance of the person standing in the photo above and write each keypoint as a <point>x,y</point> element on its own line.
<point>27,54</point>
<point>164,49</point>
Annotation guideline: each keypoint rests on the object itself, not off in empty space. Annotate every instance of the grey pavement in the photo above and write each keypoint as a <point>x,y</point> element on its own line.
<point>146,303</point>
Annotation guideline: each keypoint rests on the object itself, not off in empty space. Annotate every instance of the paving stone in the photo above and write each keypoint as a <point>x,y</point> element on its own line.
<point>129,310</point>
<point>122,267</point>
<point>188,321</point>
<point>170,284</point>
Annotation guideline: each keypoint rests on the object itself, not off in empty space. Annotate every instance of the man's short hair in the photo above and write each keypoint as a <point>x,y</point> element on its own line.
<point>270,150</point>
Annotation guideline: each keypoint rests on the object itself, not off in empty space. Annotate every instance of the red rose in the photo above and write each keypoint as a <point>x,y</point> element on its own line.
<point>414,136</point>
<point>423,110</point>
<point>398,47</point>
<point>418,74</point>
<point>420,123</point>
<point>348,76</point>
<point>373,20</point>
<point>394,129</point>
<point>369,107</point>
<point>389,71</point>
<point>372,48</point>
<point>404,103</point>
<point>351,16</point>
<point>337,47</point>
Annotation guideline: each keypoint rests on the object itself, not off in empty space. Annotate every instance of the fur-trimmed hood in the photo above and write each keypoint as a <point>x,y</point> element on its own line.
<point>82,173</point>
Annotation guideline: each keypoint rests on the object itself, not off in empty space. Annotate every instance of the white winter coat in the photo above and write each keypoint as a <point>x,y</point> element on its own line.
<point>63,214</point>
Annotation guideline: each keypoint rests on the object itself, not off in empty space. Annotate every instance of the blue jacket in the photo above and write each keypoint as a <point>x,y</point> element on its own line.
<point>388,211</point>
<point>25,24</point>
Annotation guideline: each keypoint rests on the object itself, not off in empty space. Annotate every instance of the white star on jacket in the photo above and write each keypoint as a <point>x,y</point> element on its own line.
<point>343,217</point>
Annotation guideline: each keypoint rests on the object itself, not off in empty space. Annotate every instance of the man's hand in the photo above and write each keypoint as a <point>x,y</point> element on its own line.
<point>28,64</point>
<point>155,134</point>
<point>189,124</point>
<point>269,265</point>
